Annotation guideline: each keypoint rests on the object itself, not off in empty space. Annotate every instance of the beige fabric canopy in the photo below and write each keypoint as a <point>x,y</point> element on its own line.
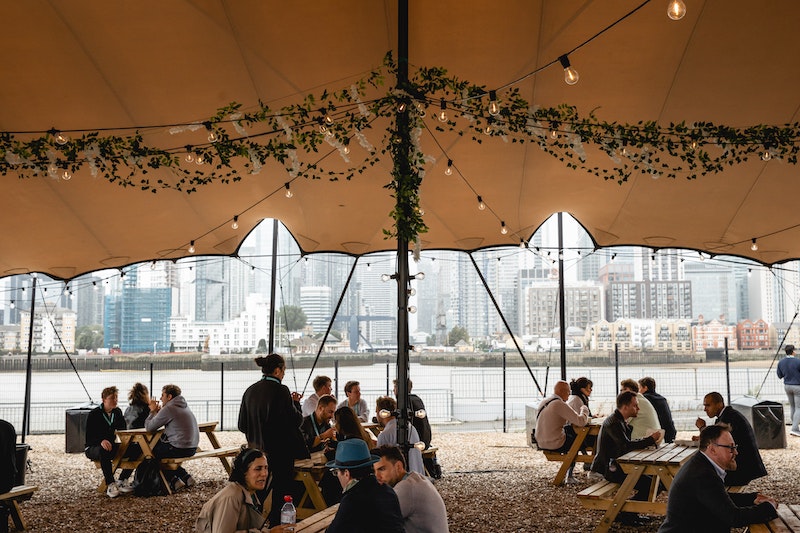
<point>89,65</point>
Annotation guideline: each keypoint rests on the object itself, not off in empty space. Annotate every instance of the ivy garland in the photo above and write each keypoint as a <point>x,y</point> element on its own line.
<point>295,135</point>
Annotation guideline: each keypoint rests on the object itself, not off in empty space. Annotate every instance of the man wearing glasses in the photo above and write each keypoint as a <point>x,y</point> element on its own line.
<point>698,499</point>
<point>750,464</point>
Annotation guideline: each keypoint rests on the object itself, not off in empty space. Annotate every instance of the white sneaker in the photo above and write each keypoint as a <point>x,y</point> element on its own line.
<point>190,482</point>
<point>794,433</point>
<point>125,486</point>
<point>112,491</point>
<point>177,484</point>
<point>595,476</point>
<point>572,480</point>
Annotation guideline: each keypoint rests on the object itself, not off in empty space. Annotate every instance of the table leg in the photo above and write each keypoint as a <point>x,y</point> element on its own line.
<point>618,502</point>
<point>312,494</point>
<point>569,458</point>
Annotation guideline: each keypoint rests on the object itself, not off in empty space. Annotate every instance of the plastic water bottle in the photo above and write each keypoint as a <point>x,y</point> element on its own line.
<point>288,512</point>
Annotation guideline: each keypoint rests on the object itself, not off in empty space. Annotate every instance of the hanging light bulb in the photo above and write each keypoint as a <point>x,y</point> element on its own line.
<point>12,305</point>
<point>442,116</point>
<point>419,275</point>
<point>369,267</point>
<point>412,291</point>
<point>494,109</point>
<point>401,107</point>
<point>153,265</point>
<point>523,244</point>
<point>421,109</point>
<point>676,10</point>
<point>481,205</point>
<point>189,154</point>
<point>412,309</point>
<point>570,74</point>
<point>766,156</point>
<point>754,246</point>
<point>488,129</point>
<point>200,159</point>
<point>212,137</point>
<point>694,145</point>
<point>289,192</point>
<point>613,257</point>
<point>749,274</point>
<point>235,224</point>
<point>449,170</point>
<point>554,133</point>
<point>385,277</point>
<point>420,413</point>
<point>94,285</point>
<point>503,228</point>
<point>346,149</point>
<point>66,175</point>
<point>61,139</point>
<point>328,119</point>
<point>191,247</point>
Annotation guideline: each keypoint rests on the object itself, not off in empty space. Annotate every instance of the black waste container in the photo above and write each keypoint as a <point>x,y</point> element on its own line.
<point>766,417</point>
<point>76,427</point>
<point>22,463</point>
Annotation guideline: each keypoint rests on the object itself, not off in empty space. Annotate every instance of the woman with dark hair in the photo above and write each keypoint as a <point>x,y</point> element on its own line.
<point>139,406</point>
<point>348,426</point>
<point>580,390</point>
<point>234,509</point>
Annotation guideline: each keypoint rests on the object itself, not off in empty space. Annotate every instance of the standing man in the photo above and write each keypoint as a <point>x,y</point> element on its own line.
<point>354,401</point>
<point>647,386</point>
<point>322,386</point>
<point>366,506</point>
<point>614,441</point>
<point>181,434</point>
<point>270,418</point>
<point>316,428</point>
<point>698,499</point>
<point>646,421</point>
<point>750,465</point>
<point>789,372</point>
<point>422,507</point>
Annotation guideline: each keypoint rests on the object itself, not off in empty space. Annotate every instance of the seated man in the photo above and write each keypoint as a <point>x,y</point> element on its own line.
<point>316,427</point>
<point>366,506</point>
<point>422,507</point>
<point>615,441</point>
<point>389,434</point>
<point>698,500</point>
<point>181,434</point>
<point>354,401</point>
<point>101,426</point>
<point>554,419</point>
<point>750,465</point>
<point>322,386</point>
<point>646,421</point>
<point>647,386</point>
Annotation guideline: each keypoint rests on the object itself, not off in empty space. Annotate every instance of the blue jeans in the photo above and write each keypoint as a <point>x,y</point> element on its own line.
<point>793,394</point>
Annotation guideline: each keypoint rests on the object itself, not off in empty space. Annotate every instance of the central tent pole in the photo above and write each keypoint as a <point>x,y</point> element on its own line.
<point>271,347</point>
<point>403,165</point>
<point>562,321</point>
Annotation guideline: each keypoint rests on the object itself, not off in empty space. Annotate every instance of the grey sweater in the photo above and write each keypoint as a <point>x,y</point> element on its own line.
<point>180,425</point>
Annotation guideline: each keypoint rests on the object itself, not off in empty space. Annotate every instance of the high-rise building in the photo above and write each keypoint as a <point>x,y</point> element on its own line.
<point>88,296</point>
<point>53,330</point>
<point>713,290</point>
<point>317,305</point>
<point>773,292</point>
<point>137,319</point>
<point>583,305</point>
<point>648,299</point>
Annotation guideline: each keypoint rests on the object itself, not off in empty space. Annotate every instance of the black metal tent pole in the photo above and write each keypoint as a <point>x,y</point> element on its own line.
<point>403,166</point>
<point>505,322</point>
<point>26,411</point>
<point>271,347</point>
<point>562,329</point>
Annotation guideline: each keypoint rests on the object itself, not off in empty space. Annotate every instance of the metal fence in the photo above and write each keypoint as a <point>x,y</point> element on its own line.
<point>456,397</point>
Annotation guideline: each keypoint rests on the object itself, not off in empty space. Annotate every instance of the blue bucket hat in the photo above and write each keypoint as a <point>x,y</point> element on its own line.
<point>352,453</point>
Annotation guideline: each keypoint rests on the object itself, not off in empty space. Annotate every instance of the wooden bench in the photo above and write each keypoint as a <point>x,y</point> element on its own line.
<point>318,522</point>
<point>172,463</point>
<point>12,498</point>
<point>598,495</point>
<point>429,453</point>
<point>556,456</point>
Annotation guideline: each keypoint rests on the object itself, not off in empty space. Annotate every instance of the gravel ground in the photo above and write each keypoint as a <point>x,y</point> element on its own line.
<point>491,482</point>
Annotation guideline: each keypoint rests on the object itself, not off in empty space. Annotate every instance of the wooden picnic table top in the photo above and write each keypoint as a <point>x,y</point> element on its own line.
<point>788,521</point>
<point>318,522</point>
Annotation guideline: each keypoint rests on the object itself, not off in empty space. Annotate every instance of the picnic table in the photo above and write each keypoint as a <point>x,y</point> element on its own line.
<point>147,441</point>
<point>662,463</point>
<point>309,472</point>
<point>575,453</point>
<point>318,522</point>
<point>788,521</point>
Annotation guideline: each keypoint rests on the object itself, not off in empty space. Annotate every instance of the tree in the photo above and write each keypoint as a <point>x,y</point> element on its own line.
<point>294,317</point>
<point>89,337</point>
<point>456,334</point>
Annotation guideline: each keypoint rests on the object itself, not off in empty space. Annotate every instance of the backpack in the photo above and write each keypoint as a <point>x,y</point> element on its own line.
<point>147,481</point>
<point>533,431</point>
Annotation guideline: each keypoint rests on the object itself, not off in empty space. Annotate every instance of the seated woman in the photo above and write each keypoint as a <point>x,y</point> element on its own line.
<point>135,415</point>
<point>348,426</point>
<point>234,509</point>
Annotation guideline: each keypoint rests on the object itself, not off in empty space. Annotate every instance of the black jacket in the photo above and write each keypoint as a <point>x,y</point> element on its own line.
<point>698,502</point>
<point>368,507</point>
<point>422,425</point>
<point>311,430</point>
<point>100,427</point>
<point>8,457</point>
<point>664,414</point>
<point>750,465</point>
<point>615,441</point>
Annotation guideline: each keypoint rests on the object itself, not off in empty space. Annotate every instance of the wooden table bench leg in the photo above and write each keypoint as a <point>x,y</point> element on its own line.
<point>618,503</point>
<point>312,493</point>
<point>569,458</point>
<point>16,515</point>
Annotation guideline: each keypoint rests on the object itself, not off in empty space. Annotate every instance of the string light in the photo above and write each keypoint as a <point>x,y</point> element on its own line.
<point>61,139</point>
<point>212,137</point>
<point>754,246</point>
<point>189,154</point>
<point>481,205</point>
<point>676,10</point>
<point>503,228</point>
<point>494,109</point>
<point>449,170</point>
<point>289,192</point>
<point>66,175</point>
<point>401,107</point>
<point>412,309</point>
<point>749,273</point>
<point>328,119</point>
<point>554,133</point>
<point>13,305</point>
<point>766,156</point>
<point>488,129</point>
<point>191,247</point>
<point>420,109</point>
<point>523,244</point>
<point>443,113</point>
<point>235,223</point>
<point>94,285</point>
<point>571,75</point>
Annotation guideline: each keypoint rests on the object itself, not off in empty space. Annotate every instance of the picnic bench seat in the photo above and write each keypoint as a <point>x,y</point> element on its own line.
<point>558,456</point>
<point>598,495</point>
<point>12,498</point>
<point>172,463</point>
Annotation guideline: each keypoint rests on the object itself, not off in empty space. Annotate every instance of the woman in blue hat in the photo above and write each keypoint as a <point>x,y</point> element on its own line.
<point>366,505</point>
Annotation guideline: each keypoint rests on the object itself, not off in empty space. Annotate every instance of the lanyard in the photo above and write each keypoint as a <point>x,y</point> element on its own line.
<point>110,421</point>
<point>272,378</point>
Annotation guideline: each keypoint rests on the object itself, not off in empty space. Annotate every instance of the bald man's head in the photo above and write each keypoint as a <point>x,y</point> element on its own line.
<point>561,389</point>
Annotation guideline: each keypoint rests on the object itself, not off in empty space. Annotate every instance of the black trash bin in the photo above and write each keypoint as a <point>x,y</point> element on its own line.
<point>766,417</point>
<point>76,427</point>
<point>22,463</point>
